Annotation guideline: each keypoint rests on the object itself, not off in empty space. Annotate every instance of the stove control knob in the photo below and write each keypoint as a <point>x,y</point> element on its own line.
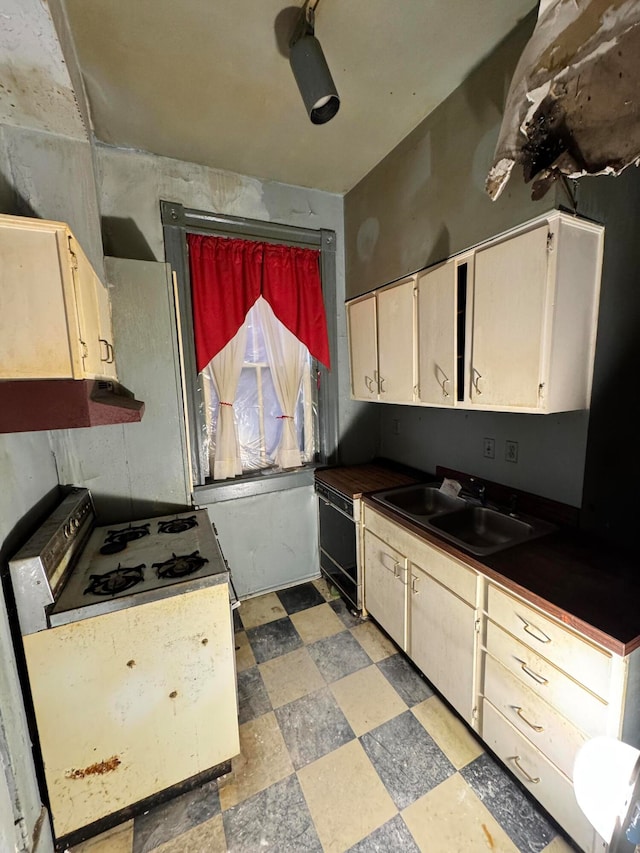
<point>67,531</point>
<point>75,524</point>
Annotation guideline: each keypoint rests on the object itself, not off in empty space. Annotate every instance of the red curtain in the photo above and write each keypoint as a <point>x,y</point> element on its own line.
<point>228,275</point>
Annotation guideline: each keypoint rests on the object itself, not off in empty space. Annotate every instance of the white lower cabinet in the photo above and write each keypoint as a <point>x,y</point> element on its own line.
<point>533,688</point>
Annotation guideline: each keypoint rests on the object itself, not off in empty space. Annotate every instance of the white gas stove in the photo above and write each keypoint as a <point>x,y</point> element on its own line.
<point>128,640</point>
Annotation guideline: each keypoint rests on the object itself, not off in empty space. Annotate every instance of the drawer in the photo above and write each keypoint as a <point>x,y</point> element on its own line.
<point>549,731</point>
<point>586,711</point>
<point>544,781</point>
<point>587,663</point>
<point>448,571</point>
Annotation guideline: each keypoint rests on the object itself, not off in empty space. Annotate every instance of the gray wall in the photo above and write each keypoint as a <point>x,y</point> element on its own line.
<point>422,203</point>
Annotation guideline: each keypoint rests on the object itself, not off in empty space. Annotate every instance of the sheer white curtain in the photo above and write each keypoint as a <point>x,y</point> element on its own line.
<point>287,357</point>
<point>225,369</point>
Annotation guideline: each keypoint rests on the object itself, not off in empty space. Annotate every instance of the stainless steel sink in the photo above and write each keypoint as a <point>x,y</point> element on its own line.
<point>421,500</point>
<point>478,529</point>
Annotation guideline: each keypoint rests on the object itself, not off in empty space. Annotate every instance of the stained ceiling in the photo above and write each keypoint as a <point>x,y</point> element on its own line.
<point>208,81</point>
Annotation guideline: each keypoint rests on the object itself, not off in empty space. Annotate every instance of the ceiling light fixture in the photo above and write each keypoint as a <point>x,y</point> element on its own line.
<point>310,68</point>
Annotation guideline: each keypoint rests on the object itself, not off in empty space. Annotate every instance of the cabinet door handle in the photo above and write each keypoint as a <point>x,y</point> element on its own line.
<point>445,381</point>
<point>385,559</point>
<point>396,569</point>
<point>540,679</point>
<point>414,585</point>
<point>109,351</point>
<point>368,381</point>
<point>516,761</point>
<point>381,382</point>
<point>536,633</point>
<point>477,376</point>
<point>531,725</point>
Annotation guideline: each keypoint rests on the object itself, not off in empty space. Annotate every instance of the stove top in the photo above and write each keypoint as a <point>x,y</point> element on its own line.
<point>144,560</point>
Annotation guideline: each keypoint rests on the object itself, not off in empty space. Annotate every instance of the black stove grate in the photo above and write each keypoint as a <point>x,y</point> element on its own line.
<point>117,580</point>
<point>177,525</point>
<point>180,566</point>
<point>116,540</point>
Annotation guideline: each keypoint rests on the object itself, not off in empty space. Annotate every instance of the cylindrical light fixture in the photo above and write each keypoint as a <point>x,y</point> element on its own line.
<point>314,79</point>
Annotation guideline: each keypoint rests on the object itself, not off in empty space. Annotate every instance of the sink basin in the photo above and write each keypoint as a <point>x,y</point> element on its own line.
<point>421,500</point>
<point>481,530</point>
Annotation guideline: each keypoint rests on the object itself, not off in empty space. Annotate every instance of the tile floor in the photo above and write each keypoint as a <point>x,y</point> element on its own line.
<point>344,747</point>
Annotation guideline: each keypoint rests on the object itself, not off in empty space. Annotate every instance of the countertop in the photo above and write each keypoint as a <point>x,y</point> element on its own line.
<point>353,481</point>
<point>583,582</point>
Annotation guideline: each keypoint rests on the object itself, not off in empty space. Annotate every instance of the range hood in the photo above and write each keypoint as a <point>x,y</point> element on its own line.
<point>27,405</point>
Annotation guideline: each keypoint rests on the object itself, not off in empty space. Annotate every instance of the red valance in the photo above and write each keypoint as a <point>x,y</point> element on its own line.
<point>228,275</point>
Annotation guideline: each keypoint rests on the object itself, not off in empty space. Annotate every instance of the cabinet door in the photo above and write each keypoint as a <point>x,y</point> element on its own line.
<point>361,317</point>
<point>436,335</point>
<point>395,342</point>
<point>443,639</point>
<point>509,294</point>
<point>85,286</point>
<point>385,586</point>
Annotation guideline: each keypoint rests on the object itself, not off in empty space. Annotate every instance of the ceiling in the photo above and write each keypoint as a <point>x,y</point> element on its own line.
<point>208,81</point>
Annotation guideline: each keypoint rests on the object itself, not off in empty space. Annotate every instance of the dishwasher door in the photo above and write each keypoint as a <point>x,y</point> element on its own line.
<point>338,555</point>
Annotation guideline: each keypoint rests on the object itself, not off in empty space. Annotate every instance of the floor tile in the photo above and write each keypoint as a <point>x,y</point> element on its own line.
<point>346,798</point>
<point>513,810</point>
<point>328,592</point>
<point>406,679</point>
<point>116,840</point>
<point>260,610</point>
<point>175,817</point>
<point>392,836</point>
<point>273,639</point>
<point>300,597</point>
<point>244,652</point>
<point>341,610</point>
<point>263,760</point>
<point>367,699</point>
<point>376,644</point>
<point>561,845</point>
<point>407,759</point>
<point>451,819</point>
<point>208,837</point>
<point>450,733</point>
<point>290,677</point>
<point>276,819</point>
<point>316,623</point>
<point>338,656</point>
<point>253,700</point>
<point>312,727</point>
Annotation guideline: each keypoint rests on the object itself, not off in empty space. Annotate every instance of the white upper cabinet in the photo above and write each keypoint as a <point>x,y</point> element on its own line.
<point>436,310</point>
<point>381,344</point>
<point>55,318</point>
<point>508,326</point>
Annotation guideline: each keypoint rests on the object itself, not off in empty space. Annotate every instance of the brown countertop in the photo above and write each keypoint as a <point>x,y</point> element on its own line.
<point>353,481</point>
<point>583,582</point>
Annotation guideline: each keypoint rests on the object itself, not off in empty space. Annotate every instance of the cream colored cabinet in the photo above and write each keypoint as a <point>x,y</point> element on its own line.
<point>442,638</point>
<point>425,600</point>
<point>533,320</point>
<point>546,690</point>
<point>363,348</point>
<point>436,313</point>
<point>385,586</point>
<point>55,320</point>
<point>381,344</point>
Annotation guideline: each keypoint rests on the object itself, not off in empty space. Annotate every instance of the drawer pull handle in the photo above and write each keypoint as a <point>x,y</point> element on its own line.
<point>516,761</point>
<point>539,678</point>
<point>531,725</point>
<point>536,633</point>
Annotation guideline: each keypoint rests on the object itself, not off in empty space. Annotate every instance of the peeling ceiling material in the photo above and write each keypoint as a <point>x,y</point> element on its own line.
<point>208,81</point>
<point>573,108</point>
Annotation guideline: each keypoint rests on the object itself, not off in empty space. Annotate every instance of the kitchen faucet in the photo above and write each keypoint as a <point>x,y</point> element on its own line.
<point>478,490</point>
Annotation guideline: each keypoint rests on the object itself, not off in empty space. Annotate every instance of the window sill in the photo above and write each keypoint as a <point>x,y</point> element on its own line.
<point>260,484</point>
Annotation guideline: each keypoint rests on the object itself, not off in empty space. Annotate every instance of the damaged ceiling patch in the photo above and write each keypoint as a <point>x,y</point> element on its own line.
<point>572,108</point>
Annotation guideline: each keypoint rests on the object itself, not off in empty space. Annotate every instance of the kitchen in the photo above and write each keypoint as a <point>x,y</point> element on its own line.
<point>586,459</point>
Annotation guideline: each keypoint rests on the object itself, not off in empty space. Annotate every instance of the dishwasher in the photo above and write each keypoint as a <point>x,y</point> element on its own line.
<point>338,544</point>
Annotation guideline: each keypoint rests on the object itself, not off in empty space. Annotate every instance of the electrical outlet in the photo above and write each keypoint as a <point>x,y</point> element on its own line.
<point>489,445</point>
<point>511,451</point>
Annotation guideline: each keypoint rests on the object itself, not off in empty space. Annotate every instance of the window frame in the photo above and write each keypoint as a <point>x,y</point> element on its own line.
<point>177,221</point>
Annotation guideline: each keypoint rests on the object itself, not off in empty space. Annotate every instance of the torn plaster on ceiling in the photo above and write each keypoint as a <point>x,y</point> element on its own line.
<point>573,105</point>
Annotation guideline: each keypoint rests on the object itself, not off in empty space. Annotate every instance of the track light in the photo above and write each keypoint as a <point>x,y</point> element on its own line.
<point>311,71</point>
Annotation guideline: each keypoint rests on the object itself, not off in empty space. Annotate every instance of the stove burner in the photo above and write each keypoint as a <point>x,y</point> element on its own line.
<point>117,539</point>
<point>177,525</point>
<point>180,567</point>
<point>115,581</point>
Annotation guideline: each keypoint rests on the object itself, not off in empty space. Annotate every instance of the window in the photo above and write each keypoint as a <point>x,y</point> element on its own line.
<point>257,409</point>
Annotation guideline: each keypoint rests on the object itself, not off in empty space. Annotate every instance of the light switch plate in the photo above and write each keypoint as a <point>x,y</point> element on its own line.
<point>489,445</point>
